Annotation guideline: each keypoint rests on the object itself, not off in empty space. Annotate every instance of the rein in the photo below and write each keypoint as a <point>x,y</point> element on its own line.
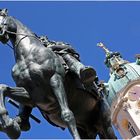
<point>16,45</point>
<point>24,36</point>
<point>10,32</point>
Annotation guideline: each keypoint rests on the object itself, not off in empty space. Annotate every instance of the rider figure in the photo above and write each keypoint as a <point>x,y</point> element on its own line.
<point>86,74</point>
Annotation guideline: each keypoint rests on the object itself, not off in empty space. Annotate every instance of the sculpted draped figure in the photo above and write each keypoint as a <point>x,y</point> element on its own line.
<point>62,97</point>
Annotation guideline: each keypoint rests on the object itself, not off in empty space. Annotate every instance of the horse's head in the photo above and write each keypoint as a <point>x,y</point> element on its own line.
<point>4,38</point>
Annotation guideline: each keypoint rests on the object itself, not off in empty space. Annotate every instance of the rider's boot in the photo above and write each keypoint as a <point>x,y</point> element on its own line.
<point>86,74</point>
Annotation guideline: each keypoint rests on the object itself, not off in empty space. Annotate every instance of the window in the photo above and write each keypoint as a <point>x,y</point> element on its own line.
<point>132,130</point>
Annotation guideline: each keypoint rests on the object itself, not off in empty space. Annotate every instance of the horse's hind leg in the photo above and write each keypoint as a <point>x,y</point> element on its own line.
<point>8,125</point>
<point>66,113</point>
<point>84,134</point>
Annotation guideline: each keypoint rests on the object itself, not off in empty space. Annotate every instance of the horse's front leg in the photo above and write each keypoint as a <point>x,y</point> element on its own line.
<point>7,124</point>
<point>66,114</point>
<point>19,94</point>
<point>23,117</point>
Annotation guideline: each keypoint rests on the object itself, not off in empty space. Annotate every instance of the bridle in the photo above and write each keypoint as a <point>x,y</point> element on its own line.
<point>3,31</point>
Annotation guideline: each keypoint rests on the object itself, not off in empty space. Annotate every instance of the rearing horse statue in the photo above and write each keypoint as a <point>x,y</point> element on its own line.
<point>41,82</point>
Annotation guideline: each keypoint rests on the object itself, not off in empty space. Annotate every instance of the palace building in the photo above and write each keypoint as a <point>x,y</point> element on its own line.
<point>123,93</point>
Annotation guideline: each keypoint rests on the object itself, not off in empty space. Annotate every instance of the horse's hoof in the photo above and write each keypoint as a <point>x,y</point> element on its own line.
<point>24,124</point>
<point>12,129</point>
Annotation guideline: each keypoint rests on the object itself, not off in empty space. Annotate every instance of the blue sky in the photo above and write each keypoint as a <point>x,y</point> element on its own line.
<point>83,25</point>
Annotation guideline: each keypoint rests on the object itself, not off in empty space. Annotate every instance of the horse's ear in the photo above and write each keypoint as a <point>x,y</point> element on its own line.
<point>4,12</point>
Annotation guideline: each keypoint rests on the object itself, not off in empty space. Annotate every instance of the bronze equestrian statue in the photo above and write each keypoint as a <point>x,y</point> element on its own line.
<point>41,81</point>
